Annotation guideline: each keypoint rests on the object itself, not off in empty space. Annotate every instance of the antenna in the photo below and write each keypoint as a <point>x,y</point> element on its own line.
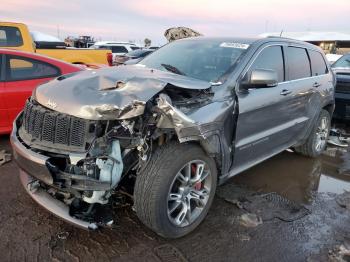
<point>281,33</point>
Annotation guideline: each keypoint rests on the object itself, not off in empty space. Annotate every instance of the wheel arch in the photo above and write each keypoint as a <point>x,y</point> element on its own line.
<point>211,143</point>
<point>330,108</point>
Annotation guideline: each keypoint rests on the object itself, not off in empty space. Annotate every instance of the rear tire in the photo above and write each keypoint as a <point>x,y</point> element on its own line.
<point>317,140</point>
<point>162,194</point>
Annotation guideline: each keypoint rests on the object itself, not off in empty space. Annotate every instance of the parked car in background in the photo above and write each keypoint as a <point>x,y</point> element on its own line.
<point>170,128</point>
<point>333,58</point>
<point>341,69</point>
<point>117,48</point>
<point>17,36</point>
<point>21,72</point>
<point>132,57</point>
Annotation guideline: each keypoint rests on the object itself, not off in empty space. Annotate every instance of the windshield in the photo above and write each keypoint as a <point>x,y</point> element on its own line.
<point>344,61</point>
<point>205,59</point>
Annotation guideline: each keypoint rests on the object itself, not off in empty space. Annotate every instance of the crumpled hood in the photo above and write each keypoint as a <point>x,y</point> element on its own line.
<point>110,93</point>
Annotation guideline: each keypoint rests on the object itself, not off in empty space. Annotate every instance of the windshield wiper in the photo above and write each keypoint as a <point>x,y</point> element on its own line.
<point>173,69</point>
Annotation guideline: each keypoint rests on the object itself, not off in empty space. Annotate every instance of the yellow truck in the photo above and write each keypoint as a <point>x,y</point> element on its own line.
<point>17,36</point>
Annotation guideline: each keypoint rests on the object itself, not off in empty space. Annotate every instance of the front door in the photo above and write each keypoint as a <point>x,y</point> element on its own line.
<point>3,111</point>
<point>263,121</point>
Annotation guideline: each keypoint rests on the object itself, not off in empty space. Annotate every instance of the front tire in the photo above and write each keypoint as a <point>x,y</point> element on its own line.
<point>317,140</point>
<point>176,189</point>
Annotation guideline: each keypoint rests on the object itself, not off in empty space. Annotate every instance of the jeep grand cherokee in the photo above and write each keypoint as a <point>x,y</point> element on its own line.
<point>169,129</point>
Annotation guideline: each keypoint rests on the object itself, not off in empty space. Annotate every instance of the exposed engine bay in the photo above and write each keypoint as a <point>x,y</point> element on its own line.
<point>92,156</point>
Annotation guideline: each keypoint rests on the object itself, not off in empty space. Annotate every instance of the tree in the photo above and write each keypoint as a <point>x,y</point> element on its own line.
<point>147,42</point>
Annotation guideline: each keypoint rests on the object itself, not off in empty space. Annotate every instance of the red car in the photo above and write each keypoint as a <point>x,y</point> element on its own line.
<point>20,73</point>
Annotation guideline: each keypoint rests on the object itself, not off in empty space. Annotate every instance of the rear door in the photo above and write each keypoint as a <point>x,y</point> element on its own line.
<point>263,121</point>
<point>322,83</point>
<point>301,84</point>
<point>22,76</point>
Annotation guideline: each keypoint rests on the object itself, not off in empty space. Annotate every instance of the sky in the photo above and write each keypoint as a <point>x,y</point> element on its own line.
<point>134,20</point>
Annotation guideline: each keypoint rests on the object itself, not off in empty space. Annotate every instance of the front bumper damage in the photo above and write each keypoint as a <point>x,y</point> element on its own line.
<point>51,204</point>
<point>37,180</point>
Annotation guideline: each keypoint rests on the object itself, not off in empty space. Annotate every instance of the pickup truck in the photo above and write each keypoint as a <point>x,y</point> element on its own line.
<point>17,36</point>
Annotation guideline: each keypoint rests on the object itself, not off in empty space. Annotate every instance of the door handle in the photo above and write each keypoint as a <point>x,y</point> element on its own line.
<point>285,92</point>
<point>316,84</point>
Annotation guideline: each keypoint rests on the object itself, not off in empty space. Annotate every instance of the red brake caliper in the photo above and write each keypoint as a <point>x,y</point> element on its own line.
<point>198,185</point>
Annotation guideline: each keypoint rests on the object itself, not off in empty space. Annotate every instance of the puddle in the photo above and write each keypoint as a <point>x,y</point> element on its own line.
<point>298,178</point>
<point>332,185</point>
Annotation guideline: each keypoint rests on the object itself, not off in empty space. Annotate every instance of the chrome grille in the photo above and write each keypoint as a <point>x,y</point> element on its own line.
<point>50,129</point>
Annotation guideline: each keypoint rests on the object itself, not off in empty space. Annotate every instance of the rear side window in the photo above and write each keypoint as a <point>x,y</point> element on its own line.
<point>298,63</point>
<point>270,58</point>
<point>119,49</point>
<point>318,65</point>
<point>22,68</point>
<point>10,36</point>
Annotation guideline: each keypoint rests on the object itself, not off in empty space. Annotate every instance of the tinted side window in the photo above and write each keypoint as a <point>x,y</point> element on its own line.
<point>298,63</point>
<point>21,68</point>
<point>270,58</point>
<point>10,36</point>
<point>119,49</point>
<point>318,65</point>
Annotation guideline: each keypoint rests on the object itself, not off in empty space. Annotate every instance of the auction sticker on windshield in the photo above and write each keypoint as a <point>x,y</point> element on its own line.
<point>234,45</point>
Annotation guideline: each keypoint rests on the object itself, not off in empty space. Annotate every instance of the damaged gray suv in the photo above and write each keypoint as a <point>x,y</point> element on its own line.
<point>170,129</point>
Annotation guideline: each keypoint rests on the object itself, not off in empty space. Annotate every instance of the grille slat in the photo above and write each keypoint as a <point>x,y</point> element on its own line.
<point>77,128</point>
<point>37,124</point>
<point>51,129</point>
<point>48,128</point>
<point>62,130</point>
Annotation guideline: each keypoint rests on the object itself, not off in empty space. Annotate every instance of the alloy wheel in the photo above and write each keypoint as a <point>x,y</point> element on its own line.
<point>322,134</point>
<point>189,193</point>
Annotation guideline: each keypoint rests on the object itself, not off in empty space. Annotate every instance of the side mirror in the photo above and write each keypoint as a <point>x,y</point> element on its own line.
<point>261,78</point>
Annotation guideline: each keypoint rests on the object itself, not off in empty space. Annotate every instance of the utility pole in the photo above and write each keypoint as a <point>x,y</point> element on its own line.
<point>58,31</point>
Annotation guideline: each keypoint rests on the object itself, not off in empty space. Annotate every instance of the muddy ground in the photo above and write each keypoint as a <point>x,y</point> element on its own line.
<point>29,233</point>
